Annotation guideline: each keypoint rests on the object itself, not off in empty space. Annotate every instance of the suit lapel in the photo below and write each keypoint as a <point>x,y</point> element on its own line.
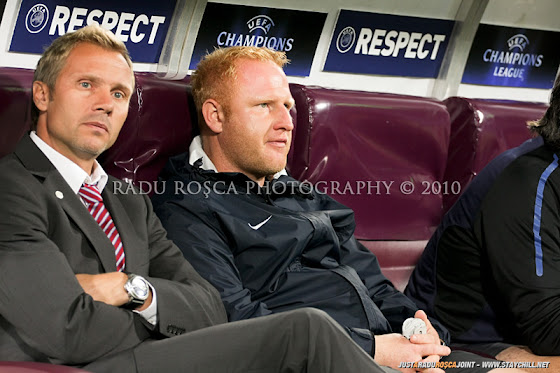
<point>76,210</point>
<point>125,228</point>
<point>39,165</point>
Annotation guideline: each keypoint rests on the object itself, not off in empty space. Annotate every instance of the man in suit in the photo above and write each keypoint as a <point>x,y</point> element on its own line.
<point>88,277</point>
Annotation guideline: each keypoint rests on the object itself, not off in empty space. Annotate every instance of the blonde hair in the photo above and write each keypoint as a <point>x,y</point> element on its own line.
<point>217,71</point>
<point>54,58</point>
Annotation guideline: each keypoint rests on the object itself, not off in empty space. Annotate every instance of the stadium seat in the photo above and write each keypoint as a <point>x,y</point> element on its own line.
<point>480,130</point>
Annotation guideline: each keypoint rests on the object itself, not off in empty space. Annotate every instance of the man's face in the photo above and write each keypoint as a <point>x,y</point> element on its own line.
<point>86,111</point>
<point>257,129</point>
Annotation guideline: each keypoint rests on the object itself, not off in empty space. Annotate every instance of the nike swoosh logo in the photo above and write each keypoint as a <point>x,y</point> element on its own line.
<point>255,227</point>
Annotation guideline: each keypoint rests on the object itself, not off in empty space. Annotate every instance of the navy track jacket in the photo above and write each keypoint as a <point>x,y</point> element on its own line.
<point>278,247</point>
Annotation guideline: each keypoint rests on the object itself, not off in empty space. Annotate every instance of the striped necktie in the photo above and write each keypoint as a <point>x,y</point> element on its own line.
<point>91,196</point>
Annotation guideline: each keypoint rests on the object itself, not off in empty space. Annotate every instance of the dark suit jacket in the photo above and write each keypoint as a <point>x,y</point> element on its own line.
<point>45,240</point>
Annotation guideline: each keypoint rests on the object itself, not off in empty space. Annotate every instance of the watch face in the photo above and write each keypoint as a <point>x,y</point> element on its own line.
<point>140,287</point>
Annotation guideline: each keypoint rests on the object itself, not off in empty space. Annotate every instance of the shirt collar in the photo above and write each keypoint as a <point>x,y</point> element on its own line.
<point>196,152</point>
<point>73,174</point>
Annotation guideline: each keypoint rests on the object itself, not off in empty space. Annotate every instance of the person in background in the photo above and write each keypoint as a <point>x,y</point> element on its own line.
<point>267,242</point>
<point>490,272</point>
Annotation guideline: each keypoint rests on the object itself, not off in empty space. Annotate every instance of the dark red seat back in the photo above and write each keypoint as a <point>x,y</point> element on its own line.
<point>15,106</point>
<point>351,142</point>
<point>480,130</point>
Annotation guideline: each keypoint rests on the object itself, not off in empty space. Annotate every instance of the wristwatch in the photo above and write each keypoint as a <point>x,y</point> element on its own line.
<point>138,291</point>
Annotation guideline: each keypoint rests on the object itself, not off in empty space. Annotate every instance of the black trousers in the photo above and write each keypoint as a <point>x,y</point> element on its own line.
<point>304,340</point>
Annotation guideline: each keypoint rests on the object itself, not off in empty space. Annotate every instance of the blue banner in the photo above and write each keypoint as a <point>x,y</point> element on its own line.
<point>382,44</point>
<point>294,32</point>
<point>141,24</point>
<point>513,57</point>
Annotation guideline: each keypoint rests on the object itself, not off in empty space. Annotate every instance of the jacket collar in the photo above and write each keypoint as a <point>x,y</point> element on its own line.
<point>74,175</point>
<point>197,153</point>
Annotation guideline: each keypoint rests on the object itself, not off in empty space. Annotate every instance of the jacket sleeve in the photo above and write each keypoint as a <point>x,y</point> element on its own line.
<point>193,228</point>
<point>514,225</point>
<point>186,301</point>
<point>40,297</point>
<point>395,306</point>
<point>44,304</point>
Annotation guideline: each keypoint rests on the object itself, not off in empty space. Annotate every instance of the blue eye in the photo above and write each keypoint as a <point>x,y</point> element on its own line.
<point>263,105</point>
<point>85,84</point>
<point>119,95</point>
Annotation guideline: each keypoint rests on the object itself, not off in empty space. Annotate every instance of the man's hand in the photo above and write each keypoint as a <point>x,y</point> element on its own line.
<point>393,349</point>
<point>431,336</point>
<point>108,288</point>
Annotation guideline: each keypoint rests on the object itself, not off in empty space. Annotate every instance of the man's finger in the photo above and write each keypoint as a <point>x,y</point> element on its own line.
<point>433,349</point>
<point>424,339</point>
<point>429,327</point>
<point>420,314</point>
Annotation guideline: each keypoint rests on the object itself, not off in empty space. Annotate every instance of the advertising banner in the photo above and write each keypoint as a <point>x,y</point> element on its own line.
<point>513,57</point>
<point>292,31</point>
<point>141,24</point>
<point>383,44</point>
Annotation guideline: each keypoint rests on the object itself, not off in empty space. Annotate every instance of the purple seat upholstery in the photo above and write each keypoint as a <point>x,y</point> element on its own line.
<point>480,130</point>
<point>15,101</point>
<point>158,126</point>
<point>354,138</point>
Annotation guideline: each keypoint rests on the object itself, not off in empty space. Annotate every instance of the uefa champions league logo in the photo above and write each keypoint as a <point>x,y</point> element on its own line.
<point>37,18</point>
<point>346,39</point>
<point>262,22</point>
<point>518,41</point>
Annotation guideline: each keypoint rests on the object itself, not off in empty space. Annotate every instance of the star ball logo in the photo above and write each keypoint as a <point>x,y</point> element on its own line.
<point>346,39</point>
<point>518,41</point>
<point>37,18</point>
<point>262,22</point>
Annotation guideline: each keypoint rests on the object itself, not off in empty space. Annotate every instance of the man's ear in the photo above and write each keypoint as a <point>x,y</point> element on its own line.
<point>41,95</point>
<point>213,115</point>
